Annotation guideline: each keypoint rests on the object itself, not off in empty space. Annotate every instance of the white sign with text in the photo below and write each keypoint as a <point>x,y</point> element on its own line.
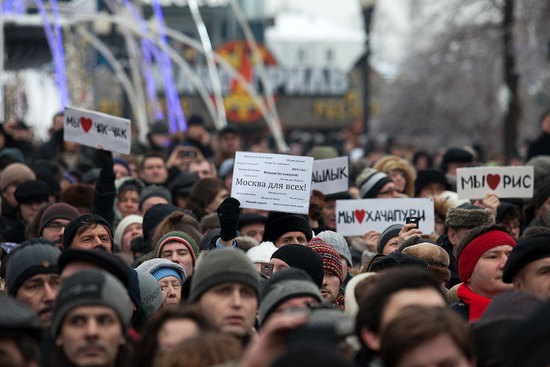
<point>505,182</point>
<point>330,176</point>
<point>274,182</point>
<point>356,217</point>
<point>97,130</point>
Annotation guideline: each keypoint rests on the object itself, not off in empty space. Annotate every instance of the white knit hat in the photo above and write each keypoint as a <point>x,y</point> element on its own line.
<point>261,253</point>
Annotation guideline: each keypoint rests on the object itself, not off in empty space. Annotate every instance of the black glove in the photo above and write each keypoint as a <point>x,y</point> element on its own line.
<point>228,213</point>
<point>104,160</point>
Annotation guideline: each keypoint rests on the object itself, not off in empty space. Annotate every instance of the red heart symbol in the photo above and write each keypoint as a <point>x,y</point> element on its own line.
<point>493,181</point>
<point>86,124</point>
<point>360,215</point>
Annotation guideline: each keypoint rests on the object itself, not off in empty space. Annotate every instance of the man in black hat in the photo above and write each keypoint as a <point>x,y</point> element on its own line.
<point>284,229</point>
<point>528,266</point>
<point>88,231</point>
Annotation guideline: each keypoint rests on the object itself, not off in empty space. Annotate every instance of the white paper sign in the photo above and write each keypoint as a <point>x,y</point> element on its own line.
<point>330,175</point>
<point>274,182</point>
<point>356,217</point>
<point>97,130</point>
<point>506,182</point>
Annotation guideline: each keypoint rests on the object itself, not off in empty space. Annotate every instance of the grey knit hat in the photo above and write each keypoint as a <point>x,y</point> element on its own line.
<point>154,190</point>
<point>154,265</point>
<point>150,293</point>
<point>338,243</point>
<point>389,233</point>
<point>283,285</point>
<point>469,216</point>
<point>91,288</point>
<point>220,266</point>
<point>29,259</point>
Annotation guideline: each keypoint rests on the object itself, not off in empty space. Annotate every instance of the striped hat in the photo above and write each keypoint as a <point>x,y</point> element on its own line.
<point>331,259</point>
<point>180,237</point>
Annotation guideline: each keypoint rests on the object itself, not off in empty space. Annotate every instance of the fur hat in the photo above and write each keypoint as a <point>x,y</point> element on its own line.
<point>220,266</point>
<point>392,162</point>
<point>278,224</point>
<point>435,257</point>
<point>396,259</point>
<point>78,195</point>
<point>15,173</point>
<point>303,257</point>
<point>370,182</point>
<point>469,216</point>
<point>91,288</point>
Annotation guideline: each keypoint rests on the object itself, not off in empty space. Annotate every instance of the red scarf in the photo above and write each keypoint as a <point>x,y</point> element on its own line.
<point>477,303</point>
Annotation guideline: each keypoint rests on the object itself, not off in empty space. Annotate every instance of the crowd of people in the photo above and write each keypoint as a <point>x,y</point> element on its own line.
<point>147,260</point>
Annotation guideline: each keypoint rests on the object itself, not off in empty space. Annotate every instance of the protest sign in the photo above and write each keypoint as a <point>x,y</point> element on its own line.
<point>356,217</point>
<point>330,175</point>
<point>506,182</point>
<point>97,130</point>
<point>275,182</point>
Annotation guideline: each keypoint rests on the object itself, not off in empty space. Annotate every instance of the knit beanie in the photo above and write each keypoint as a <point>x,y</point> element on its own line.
<point>283,285</point>
<point>278,224</point>
<point>389,233</point>
<point>337,242</point>
<point>370,182</point>
<point>91,288</point>
<point>129,183</point>
<point>527,250</point>
<point>331,259</point>
<point>56,211</point>
<point>182,238</point>
<point>428,176</point>
<point>32,191</point>
<point>154,190</point>
<point>210,222</point>
<point>302,257</point>
<point>123,163</point>
<point>15,172</point>
<point>220,266</point>
<point>469,216</point>
<point>154,216</point>
<point>73,226</point>
<point>181,186</point>
<point>261,253</point>
<point>456,155</point>
<point>160,268</point>
<point>17,320</point>
<point>469,253</point>
<point>150,292</point>
<point>29,259</point>
<point>123,224</point>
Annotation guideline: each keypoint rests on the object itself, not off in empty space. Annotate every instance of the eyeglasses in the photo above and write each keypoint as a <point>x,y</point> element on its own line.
<point>55,226</point>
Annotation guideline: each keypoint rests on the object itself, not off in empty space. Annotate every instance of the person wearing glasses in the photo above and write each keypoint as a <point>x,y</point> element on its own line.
<point>53,222</point>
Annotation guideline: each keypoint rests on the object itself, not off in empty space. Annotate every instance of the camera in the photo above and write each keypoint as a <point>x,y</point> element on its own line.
<point>187,154</point>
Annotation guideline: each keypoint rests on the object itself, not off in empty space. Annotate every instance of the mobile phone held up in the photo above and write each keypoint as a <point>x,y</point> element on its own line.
<point>412,220</point>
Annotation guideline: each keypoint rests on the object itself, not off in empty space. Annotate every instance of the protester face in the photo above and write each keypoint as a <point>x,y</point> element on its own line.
<point>202,169</point>
<point>92,237</point>
<point>128,203</point>
<point>132,231</point>
<point>214,204</point>
<point>29,210</point>
<point>174,331</point>
<point>431,190</point>
<point>388,191</point>
<point>154,171</point>
<point>254,230</point>
<point>291,237</point>
<point>486,279</point>
<point>91,336</point>
<point>230,142</point>
<point>439,351</point>
<point>329,214</point>
<point>54,230</point>
<point>390,246</point>
<point>230,308</point>
<point>179,253</point>
<point>152,201</point>
<point>513,227</point>
<point>534,278</point>
<point>330,287</point>
<point>399,178</point>
<point>39,293</point>
<point>171,289</point>
<point>120,171</point>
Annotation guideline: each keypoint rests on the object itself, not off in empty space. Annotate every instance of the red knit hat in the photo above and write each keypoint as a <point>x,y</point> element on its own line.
<point>470,254</point>
<point>331,259</point>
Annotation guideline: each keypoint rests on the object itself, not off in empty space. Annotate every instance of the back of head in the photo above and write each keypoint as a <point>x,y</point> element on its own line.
<point>302,257</point>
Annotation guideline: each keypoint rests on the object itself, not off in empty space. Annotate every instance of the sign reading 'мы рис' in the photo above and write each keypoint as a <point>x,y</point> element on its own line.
<point>97,130</point>
<point>505,182</point>
<point>356,217</point>
<point>276,182</point>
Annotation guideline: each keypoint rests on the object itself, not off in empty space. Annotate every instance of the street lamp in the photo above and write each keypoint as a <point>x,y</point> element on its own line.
<point>367,9</point>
